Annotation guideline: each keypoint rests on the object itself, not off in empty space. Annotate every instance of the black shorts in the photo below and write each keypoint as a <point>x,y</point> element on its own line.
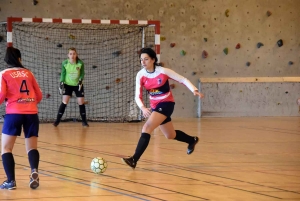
<point>165,108</point>
<point>69,90</point>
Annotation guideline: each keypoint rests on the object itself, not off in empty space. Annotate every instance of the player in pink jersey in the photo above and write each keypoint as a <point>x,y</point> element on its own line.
<point>21,93</point>
<point>154,79</point>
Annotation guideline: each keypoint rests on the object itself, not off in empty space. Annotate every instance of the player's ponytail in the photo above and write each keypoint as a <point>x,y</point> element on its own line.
<point>151,54</point>
<point>13,57</point>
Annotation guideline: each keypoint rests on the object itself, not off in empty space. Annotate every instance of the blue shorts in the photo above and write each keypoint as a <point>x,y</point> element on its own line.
<point>13,125</point>
<point>165,108</point>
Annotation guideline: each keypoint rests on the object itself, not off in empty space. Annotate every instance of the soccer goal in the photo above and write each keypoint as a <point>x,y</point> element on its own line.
<point>109,50</point>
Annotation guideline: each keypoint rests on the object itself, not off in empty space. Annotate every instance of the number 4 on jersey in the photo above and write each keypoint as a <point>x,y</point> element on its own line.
<point>23,88</point>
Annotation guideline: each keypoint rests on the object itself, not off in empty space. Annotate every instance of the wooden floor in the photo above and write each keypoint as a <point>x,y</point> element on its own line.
<point>237,159</point>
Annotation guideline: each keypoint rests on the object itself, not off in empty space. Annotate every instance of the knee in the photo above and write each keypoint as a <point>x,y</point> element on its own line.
<point>6,149</point>
<point>147,128</point>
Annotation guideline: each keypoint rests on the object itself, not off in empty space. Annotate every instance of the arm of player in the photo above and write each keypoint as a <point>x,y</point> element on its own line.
<point>37,90</point>
<point>82,72</point>
<point>139,96</point>
<point>63,72</point>
<point>2,89</point>
<point>175,76</point>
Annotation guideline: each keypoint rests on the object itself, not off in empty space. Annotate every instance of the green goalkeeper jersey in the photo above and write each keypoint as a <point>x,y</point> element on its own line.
<point>72,73</point>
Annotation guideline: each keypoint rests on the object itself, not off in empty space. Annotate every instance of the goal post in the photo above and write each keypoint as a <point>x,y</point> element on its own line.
<point>109,50</point>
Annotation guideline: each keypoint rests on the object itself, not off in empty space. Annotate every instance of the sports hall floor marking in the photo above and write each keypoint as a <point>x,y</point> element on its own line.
<point>167,165</point>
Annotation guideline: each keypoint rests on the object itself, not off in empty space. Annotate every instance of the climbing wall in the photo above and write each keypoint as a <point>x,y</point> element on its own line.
<point>199,38</point>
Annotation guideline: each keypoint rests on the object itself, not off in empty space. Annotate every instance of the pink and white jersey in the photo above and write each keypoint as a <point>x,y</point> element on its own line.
<point>157,85</point>
<point>20,90</point>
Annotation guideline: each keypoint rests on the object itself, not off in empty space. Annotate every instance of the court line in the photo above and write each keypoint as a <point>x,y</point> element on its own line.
<point>107,176</point>
<point>177,176</point>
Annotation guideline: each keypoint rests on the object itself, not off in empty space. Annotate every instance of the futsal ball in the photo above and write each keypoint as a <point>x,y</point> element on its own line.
<point>98,165</point>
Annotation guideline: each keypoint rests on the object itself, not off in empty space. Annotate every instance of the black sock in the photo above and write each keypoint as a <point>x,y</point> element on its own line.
<point>183,137</point>
<point>82,112</point>
<point>9,166</point>
<point>141,146</point>
<point>34,159</point>
<point>61,111</point>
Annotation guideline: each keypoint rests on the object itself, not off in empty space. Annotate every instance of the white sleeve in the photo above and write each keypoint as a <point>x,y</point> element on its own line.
<point>175,76</point>
<point>138,91</point>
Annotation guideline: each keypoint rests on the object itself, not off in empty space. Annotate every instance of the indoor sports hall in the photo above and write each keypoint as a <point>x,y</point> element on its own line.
<point>242,55</point>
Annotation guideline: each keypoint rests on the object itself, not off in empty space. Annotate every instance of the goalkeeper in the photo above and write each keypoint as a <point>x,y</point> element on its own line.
<point>72,74</point>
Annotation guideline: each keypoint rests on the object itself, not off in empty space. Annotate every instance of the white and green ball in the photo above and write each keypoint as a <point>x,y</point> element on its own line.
<point>98,165</point>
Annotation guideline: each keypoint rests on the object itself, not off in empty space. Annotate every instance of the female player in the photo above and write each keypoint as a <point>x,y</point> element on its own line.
<point>21,94</point>
<point>72,74</point>
<point>154,79</point>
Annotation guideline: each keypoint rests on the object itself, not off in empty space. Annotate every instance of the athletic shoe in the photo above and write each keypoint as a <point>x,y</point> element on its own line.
<point>129,161</point>
<point>191,146</point>
<point>55,123</point>
<point>9,185</point>
<point>85,124</point>
<point>34,179</point>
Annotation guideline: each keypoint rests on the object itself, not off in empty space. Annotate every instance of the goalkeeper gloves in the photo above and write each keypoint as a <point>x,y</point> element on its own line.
<point>61,88</point>
<point>79,85</point>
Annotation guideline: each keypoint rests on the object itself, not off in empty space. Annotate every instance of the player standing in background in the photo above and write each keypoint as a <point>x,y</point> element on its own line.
<point>21,94</point>
<point>72,74</point>
<point>154,79</point>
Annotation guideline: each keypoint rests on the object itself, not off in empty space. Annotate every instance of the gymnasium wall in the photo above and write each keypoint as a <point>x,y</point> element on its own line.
<point>195,26</point>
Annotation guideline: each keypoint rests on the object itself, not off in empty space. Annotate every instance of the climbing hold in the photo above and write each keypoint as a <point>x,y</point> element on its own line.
<point>162,38</point>
<point>1,38</point>
<point>248,63</point>
<point>227,13</point>
<point>94,67</point>
<point>59,45</point>
<point>194,73</point>
<point>269,13</point>
<point>280,43</point>
<point>241,91</point>
<point>204,54</point>
<point>71,36</point>
<point>138,52</point>
<point>172,45</point>
<point>117,53</point>
<point>182,52</point>
<point>238,46</point>
<point>48,95</point>
<point>291,63</point>
<point>259,44</point>
<point>205,39</point>
<point>107,87</point>
<point>86,102</point>
<point>35,2</point>
<point>46,38</point>
<point>225,50</point>
<point>118,80</point>
<point>172,86</point>
<point>216,73</point>
<point>286,92</point>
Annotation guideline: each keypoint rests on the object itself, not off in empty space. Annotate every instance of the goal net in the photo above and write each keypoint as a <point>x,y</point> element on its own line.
<point>110,52</point>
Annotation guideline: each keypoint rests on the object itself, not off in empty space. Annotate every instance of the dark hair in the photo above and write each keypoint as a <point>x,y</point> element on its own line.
<point>151,54</point>
<point>12,57</point>
<point>74,49</point>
